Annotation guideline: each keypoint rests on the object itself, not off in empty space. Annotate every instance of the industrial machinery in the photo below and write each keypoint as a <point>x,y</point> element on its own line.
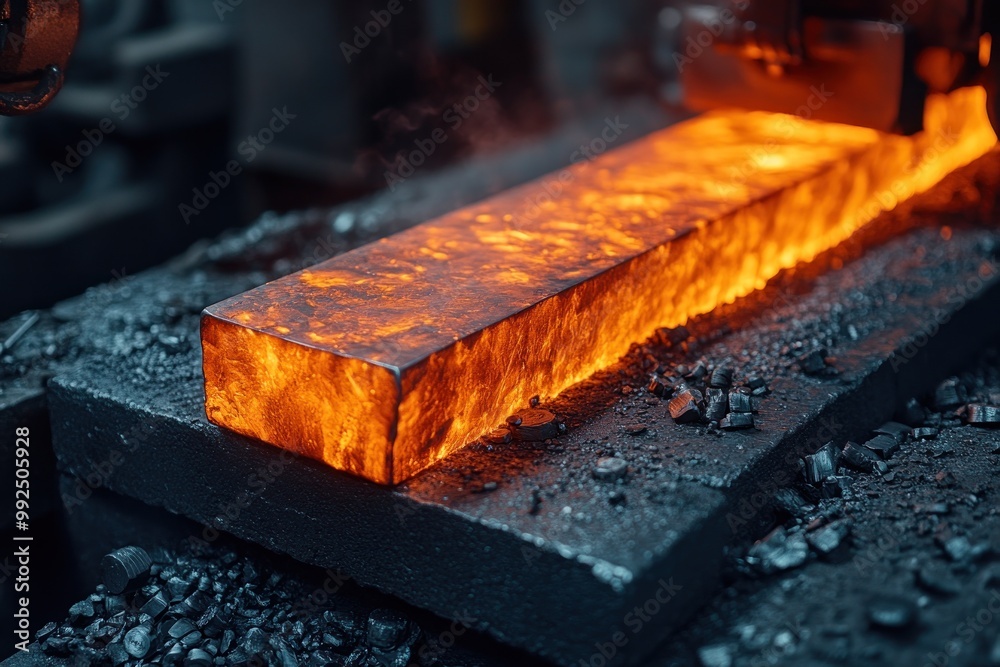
<point>36,41</point>
<point>858,62</point>
<point>863,62</point>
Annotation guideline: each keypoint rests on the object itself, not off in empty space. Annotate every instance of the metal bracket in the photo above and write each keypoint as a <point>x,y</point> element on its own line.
<point>18,104</point>
<point>36,40</point>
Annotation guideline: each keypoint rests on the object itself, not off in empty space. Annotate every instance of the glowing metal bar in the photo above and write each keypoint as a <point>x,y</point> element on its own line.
<point>383,360</point>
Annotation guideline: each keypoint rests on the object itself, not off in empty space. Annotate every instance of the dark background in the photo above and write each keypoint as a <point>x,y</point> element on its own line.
<point>81,206</point>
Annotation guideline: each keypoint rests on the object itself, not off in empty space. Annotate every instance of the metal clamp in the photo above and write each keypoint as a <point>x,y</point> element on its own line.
<point>38,37</point>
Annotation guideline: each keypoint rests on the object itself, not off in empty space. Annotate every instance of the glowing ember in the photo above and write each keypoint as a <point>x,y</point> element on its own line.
<point>384,360</point>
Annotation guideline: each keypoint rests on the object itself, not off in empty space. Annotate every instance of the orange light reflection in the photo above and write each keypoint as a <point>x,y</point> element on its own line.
<point>385,359</point>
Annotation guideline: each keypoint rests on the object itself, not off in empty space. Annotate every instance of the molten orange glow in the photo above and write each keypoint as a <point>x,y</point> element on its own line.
<point>384,360</point>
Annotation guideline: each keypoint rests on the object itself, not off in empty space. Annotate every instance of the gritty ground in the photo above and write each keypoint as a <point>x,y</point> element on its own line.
<point>913,550</point>
<point>911,577</point>
<point>242,606</point>
<point>915,579</point>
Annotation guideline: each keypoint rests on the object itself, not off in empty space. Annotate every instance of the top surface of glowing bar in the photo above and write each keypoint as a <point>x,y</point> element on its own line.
<point>384,360</point>
<point>396,301</point>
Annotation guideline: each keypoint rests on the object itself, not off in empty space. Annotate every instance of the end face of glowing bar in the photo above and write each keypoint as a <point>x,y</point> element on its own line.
<point>386,359</point>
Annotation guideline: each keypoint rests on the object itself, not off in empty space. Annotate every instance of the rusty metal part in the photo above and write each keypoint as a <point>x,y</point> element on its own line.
<point>837,83</point>
<point>768,31</point>
<point>37,40</point>
<point>882,57</point>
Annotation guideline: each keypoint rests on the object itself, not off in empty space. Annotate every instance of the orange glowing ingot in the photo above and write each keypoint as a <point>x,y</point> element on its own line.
<point>385,359</point>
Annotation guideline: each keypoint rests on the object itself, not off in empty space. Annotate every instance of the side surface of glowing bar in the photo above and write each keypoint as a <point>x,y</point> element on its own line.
<point>385,359</point>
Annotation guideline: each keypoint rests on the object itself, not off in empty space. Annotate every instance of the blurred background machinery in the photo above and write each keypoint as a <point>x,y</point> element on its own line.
<point>181,118</point>
<point>161,95</point>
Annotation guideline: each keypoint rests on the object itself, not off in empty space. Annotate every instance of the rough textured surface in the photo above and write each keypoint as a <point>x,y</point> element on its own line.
<point>388,358</point>
<point>272,247</point>
<point>912,577</point>
<point>556,558</point>
<point>459,532</point>
<point>250,608</point>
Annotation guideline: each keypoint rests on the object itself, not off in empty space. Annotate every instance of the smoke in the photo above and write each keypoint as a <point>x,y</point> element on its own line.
<point>458,115</point>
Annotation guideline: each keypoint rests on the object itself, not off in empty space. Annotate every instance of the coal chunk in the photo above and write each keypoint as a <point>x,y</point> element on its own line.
<point>791,502</point>
<point>892,613</point>
<point>736,421</point>
<point>610,468</point>
<point>697,373</point>
<point>117,653</point>
<point>884,446</point>
<point>828,539</point>
<point>198,658</point>
<point>83,610</point>
<point>181,628</point>
<point>635,429</point>
<point>675,336</point>
<point>125,569</point>
<point>814,363</point>
<point>894,430</point>
<point>137,642</point>
<point>717,655</point>
<point>779,551</point>
<point>499,436</point>
<point>817,467</point>
<point>155,605</point>
<point>937,579</point>
<point>657,386</point>
<point>721,378</point>
<point>386,628</point>
<point>178,588</point>
<point>982,415</point>
<point>45,632</point>
<point>836,486</point>
<point>717,404</point>
<point>859,458</point>
<point>957,547</point>
<point>925,433</point>
<point>684,407</point>
<point>536,425</point>
<point>740,402</point>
